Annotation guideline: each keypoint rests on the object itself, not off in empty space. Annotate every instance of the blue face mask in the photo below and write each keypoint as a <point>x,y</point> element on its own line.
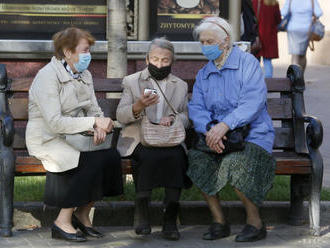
<point>83,63</point>
<point>211,52</point>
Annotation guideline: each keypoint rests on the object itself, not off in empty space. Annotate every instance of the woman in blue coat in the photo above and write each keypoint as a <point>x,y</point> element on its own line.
<point>231,91</point>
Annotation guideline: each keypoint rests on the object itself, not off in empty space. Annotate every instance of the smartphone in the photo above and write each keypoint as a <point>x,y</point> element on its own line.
<point>152,91</point>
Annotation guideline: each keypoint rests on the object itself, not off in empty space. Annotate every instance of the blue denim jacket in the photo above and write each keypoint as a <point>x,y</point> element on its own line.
<point>236,94</point>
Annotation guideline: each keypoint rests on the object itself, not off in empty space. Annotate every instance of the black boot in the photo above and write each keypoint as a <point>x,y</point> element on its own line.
<point>141,216</point>
<point>170,230</point>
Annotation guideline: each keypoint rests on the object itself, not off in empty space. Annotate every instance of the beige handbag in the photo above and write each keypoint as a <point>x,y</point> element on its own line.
<point>156,135</point>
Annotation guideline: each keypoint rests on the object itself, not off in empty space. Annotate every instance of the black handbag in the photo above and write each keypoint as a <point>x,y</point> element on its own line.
<point>235,139</point>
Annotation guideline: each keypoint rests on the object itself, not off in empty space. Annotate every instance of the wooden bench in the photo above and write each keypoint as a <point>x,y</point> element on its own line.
<point>295,148</point>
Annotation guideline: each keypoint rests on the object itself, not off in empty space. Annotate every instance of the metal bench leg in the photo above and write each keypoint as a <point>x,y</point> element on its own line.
<point>314,202</point>
<point>7,157</point>
<point>7,170</point>
<point>300,188</point>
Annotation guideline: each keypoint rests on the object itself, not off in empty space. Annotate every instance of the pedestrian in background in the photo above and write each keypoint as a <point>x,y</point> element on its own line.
<point>249,26</point>
<point>268,16</point>
<point>299,27</point>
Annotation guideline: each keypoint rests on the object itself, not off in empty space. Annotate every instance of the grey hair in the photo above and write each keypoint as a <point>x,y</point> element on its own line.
<point>161,42</point>
<point>221,27</point>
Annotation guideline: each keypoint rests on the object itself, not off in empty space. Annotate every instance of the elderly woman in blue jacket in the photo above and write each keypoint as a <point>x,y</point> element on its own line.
<point>230,91</point>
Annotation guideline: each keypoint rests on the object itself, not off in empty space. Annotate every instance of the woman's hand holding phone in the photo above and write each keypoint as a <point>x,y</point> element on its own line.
<point>148,98</point>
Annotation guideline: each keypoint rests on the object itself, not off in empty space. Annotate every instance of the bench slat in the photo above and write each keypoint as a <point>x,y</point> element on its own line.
<point>292,163</point>
<point>279,108</point>
<point>278,85</point>
<point>284,138</point>
<point>273,84</point>
<point>19,138</point>
<point>286,163</point>
<point>100,84</point>
<point>114,84</point>
<point>19,107</point>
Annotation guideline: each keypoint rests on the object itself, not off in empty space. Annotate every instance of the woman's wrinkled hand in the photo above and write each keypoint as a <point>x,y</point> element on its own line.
<point>99,136</point>
<point>215,137</point>
<point>166,121</point>
<point>219,147</point>
<point>104,123</point>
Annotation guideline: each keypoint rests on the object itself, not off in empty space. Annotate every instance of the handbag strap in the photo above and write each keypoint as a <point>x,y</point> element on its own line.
<point>313,8</point>
<point>290,1</point>
<point>174,111</point>
<point>311,43</point>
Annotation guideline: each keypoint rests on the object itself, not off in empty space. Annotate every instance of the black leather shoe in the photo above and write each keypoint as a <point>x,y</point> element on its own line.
<point>251,234</point>
<point>90,231</point>
<point>217,231</point>
<point>58,233</point>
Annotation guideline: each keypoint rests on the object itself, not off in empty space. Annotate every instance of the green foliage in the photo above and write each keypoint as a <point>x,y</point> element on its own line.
<point>32,189</point>
<point>29,188</point>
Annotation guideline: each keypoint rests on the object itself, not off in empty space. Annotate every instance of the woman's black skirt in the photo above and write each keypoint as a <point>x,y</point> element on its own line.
<point>160,167</point>
<point>98,174</point>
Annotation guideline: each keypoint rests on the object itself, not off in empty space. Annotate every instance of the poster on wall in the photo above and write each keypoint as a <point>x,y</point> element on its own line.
<point>176,19</point>
<point>40,19</point>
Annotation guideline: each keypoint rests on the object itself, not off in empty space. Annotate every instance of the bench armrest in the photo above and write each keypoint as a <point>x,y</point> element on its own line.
<point>314,131</point>
<point>7,129</point>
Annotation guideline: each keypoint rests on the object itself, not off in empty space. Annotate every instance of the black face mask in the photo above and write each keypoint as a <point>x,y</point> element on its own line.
<point>159,73</point>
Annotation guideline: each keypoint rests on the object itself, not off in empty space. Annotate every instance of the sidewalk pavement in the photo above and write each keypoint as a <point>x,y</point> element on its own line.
<point>278,236</point>
<point>317,102</point>
<point>273,213</point>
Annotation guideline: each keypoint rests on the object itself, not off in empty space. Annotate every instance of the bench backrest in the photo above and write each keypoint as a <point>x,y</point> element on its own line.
<point>285,105</point>
<point>108,92</point>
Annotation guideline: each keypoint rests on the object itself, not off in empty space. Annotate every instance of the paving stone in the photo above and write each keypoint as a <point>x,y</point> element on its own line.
<point>279,235</point>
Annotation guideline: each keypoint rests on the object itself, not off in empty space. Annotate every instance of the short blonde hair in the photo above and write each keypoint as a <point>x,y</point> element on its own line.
<point>69,39</point>
<point>219,25</point>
